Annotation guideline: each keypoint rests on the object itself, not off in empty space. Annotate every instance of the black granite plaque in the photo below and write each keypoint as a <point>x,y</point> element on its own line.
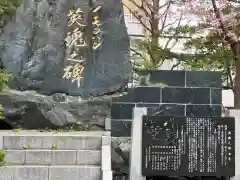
<point>140,94</point>
<point>121,128</point>
<point>128,96</point>
<point>216,96</point>
<point>186,95</point>
<point>203,110</point>
<point>188,146</point>
<point>164,109</point>
<point>121,110</point>
<point>204,79</point>
<point>164,77</point>
<point>148,94</point>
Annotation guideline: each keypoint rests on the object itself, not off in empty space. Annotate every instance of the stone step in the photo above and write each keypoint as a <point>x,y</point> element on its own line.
<point>50,172</point>
<point>46,140</point>
<point>52,157</point>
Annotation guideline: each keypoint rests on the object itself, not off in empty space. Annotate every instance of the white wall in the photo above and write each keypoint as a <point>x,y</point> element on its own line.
<point>227,98</point>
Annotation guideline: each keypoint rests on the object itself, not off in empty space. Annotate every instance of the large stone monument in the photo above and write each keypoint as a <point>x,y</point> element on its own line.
<point>42,43</point>
<point>34,47</point>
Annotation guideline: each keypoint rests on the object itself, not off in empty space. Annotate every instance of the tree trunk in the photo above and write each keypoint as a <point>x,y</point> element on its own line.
<point>155,29</point>
<point>237,86</point>
<point>234,43</point>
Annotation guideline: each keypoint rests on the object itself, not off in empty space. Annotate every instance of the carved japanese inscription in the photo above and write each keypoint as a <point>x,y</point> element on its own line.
<point>188,146</point>
<point>77,40</point>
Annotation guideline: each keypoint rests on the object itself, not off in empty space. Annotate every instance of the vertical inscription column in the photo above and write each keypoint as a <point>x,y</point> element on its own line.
<point>76,45</point>
<point>78,39</point>
<point>96,34</point>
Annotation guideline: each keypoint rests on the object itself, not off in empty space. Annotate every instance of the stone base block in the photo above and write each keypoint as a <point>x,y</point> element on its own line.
<point>53,157</point>
<point>47,142</point>
<point>50,173</point>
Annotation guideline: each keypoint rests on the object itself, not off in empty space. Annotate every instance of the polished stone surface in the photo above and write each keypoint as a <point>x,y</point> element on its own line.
<point>148,94</point>
<point>141,94</point>
<point>216,96</point>
<point>203,99</point>
<point>164,109</point>
<point>128,96</point>
<point>203,110</point>
<point>121,111</point>
<point>186,95</point>
<point>164,77</point>
<point>204,79</point>
<point>121,128</point>
<point>181,78</point>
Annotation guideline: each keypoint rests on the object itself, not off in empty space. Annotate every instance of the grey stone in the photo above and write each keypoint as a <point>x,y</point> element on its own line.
<point>30,172</point>
<point>47,142</point>
<point>66,157</point>
<point>89,157</point>
<point>33,49</point>
<point>16,157</point>
<point>30,110</point>
<point>78,143</point>
<point>7,173</point>
<point>36,157</point>
<point>28,142</point>
<point>74,173</point>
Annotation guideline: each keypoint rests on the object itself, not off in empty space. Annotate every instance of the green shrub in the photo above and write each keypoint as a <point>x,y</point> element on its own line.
<point>54,147</point>
<point>2,157</point>
<point>27,147</point>
<point>7,7</point>
<point>4,78</point>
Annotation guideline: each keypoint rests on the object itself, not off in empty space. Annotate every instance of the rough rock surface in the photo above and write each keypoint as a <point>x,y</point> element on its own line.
<point>33,49</point>
<point>30,110</point>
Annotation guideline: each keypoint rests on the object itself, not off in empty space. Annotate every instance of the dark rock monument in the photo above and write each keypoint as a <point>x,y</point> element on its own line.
<point>35,48</point>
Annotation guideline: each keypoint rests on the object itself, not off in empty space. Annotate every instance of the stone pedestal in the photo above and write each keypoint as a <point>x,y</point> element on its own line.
<point>136,154</point>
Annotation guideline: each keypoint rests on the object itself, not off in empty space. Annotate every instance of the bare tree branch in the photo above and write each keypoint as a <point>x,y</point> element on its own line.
<point>138,53</point>
<point>140,7</point>
<point>230,78</point>
<point>155,14</point>
<point>165,18</point>
<point>169,24</point>
<point>174,35</point>
<point>176,65</point>
<point>138,18</point>
<point>229,37</point>
<point>150,54</point>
